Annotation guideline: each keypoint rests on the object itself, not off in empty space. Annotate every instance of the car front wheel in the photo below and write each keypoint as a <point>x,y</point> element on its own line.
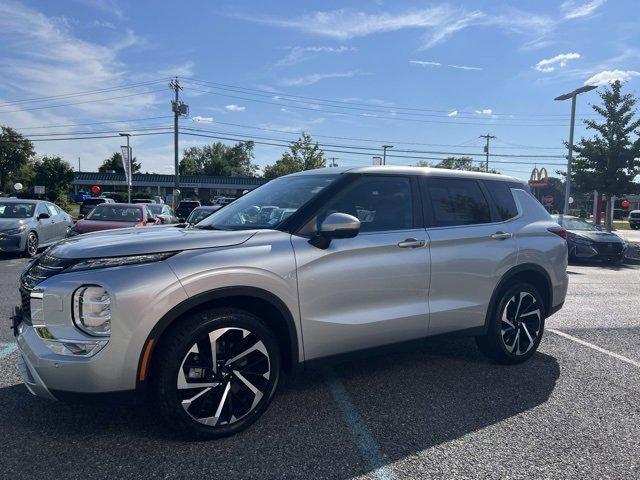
<point>31,245</point>
<point>516,326</point>
<point>217,372</point>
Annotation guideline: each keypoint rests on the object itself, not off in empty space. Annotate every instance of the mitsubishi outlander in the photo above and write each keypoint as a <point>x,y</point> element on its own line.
<point>203,319</point>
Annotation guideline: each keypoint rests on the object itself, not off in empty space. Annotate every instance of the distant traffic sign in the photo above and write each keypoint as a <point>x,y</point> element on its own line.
<point>38,189</point>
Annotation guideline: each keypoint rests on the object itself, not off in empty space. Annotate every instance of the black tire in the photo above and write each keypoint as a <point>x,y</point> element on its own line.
<point>502,342</point>
<point>31,245</point>
<point>231,401</point>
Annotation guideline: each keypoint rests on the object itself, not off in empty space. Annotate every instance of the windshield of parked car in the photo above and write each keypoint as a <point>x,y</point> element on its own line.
<point>155,208</point>
<point>199,214</point>
<point>16,210</point>
<point>115,213</point>
<point>575,224</point>
<point>268,205</point>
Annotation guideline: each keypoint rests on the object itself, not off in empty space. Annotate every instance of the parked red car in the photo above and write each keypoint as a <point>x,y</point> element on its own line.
<point>108,216</point>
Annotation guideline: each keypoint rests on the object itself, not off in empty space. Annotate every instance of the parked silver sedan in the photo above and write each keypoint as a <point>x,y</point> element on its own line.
<point>27,225</point>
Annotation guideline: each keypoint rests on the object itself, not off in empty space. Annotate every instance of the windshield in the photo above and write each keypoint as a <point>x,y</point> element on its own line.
<point>268,205</point>
<point>199,214</point>
<point>16,210</point>
<point>115,213</point>
<point>155,208</point>
<point>575,224</point>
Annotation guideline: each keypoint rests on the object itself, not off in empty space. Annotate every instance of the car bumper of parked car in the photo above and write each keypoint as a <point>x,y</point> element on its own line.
<point>12,243</point>
<point>598,251</point>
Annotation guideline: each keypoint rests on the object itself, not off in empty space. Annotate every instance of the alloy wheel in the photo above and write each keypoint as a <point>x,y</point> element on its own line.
<point>32,244</point>
<point>521,323</point>
<point>223,376</point>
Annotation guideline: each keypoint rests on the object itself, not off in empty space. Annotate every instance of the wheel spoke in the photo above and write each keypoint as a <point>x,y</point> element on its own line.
<point>526,330</point>
<point>213,421</point>
<point>186,403</point>
<point>533,312</point>
<point>258,346</point>
<point>256,392</point>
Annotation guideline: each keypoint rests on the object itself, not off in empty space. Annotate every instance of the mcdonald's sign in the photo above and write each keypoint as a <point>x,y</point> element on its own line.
<point>539,178</point>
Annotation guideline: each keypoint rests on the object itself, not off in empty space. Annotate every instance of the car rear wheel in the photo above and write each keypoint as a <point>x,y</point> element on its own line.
<point>516,326</point>
<point>217,373</point>
<point>31,245</point>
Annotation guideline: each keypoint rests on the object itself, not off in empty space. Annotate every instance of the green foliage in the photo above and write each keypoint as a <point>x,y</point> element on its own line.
<point>16,152</point>
<point>461,163</point>
<point>219,159</point>
<point>303,154</point>
<point>55,175</point>
<point>610,160</point>
<point>114,163</point>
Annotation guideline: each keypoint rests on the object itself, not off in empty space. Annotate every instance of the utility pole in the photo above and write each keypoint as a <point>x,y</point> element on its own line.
<point>79,164</point>
<point>384,153</point>
<point>486,149</point>
<point>178,108</point>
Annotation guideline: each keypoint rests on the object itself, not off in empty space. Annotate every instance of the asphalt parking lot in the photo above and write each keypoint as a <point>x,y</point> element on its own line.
<point>437,411</point>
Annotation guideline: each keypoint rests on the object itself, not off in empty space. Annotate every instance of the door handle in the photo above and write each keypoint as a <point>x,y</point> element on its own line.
<point>501,235</point>
<point>411,243</point>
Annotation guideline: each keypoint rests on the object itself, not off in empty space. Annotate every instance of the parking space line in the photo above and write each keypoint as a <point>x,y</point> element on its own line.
<point>369,448</point>
<point>595,347</point>
<point>7,349</point>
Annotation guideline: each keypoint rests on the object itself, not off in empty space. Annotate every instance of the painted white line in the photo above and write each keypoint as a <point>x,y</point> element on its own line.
<point>7,349</point>
<point>595,347</point>
<point>369,448</point>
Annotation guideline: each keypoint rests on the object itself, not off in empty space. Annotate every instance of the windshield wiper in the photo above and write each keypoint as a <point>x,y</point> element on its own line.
<point>209,227</point>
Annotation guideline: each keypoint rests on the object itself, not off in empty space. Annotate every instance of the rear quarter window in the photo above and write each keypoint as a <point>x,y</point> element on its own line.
<point>502,198</point>
<point>456,202</point>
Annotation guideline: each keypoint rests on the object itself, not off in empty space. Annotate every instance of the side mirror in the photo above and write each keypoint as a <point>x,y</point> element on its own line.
<point>181,220</point>
<point>43,216</point>
<point>80,217</point>
<point>336,225</point>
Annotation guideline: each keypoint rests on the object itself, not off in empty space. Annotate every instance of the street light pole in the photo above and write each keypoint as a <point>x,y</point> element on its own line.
<point>384,153</point>
<point>572,96</point>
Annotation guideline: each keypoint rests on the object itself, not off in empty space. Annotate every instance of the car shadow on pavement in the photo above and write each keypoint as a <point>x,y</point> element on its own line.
<point>410,401</point>
<point>626,265</point>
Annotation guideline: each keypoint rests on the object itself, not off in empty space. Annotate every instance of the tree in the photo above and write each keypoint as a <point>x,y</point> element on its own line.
<point>303,154</point>
<point>463,163</point>
<point>610,160</point>
<point>16,152</point>
<point>55,175</point>
<point>114,163</point>
<point>218,159</point>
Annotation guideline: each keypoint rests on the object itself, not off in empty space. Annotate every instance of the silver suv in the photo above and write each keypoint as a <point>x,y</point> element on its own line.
<point>204,319</point>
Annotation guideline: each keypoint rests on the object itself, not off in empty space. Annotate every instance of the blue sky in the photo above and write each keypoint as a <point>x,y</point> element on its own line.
<point>429,76</point>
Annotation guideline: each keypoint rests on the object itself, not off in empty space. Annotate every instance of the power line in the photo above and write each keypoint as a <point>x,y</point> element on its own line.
<point>80,94</point>
<point>262,92</point>
<point>131,120</point>
<point>82,102</point>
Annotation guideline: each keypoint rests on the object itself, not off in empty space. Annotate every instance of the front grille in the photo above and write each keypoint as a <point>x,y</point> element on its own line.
<point>611,249</point>
<point>42,268</point>
<point>25,305</point>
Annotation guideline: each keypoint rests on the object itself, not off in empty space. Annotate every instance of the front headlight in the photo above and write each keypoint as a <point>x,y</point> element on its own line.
<point>15,231</point>
<point>91,263</point>
<point>92,310</point>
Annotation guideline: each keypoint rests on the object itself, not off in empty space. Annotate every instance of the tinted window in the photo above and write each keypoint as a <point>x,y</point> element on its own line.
<point>16,210</point>
<point>502,198</point>
<point>457,202</point>
<point>42,208</point>
<point>380,203</point>
<point>53,210</point>
<point>115,213</point>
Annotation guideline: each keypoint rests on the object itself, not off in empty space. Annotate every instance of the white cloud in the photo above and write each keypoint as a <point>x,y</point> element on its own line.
<point>549,64</point>
<point>610,76</point>
<point>234,108</point>
<point>453,114</point>
<point>437,22</point>
<point>574,9</point>
<point>300,54</point>
<point>438,64</point>
<point>484,111</point>
<point>464,67</point>
<point>313,78</point>
<point>200,119</point>
<point>182,70</point>
<point>425,63</point>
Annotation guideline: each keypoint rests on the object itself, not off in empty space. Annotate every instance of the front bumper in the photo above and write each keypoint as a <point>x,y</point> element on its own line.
<point>12,243</point>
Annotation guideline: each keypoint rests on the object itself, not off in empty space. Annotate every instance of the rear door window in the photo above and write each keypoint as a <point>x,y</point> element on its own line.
<point>502,197</point>
<point>455,202</point>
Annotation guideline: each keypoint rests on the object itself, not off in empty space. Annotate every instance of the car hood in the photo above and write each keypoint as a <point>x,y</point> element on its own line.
<point>9,223</point>
<point>604,237</point>
<point>138,241</point>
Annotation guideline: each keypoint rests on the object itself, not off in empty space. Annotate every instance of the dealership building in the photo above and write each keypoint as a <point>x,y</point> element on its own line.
<point>191,186</point>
